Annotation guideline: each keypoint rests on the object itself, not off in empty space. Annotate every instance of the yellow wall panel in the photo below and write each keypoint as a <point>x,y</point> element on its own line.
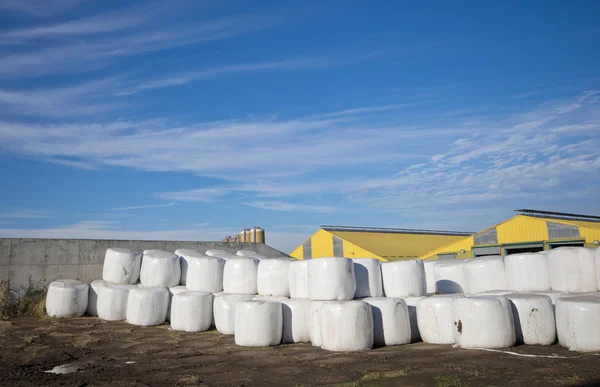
<point>590,235</point>
<point>298,252</point>
<point>522,229</point>
<point>353,251</point>
<point>322,244</point>
<point>455,247</point>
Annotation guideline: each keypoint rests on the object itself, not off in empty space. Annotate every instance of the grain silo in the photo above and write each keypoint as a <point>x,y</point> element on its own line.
<point>243,235</point>
<point>258,235</point>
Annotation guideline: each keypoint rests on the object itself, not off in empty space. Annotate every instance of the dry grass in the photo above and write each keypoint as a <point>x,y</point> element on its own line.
<point>25,301</point>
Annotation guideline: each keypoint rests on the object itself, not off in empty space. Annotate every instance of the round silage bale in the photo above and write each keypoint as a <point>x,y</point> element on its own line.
<point>346,326</point>
<point>572,269</point>
<point>191,311</point>
<point>258,323</point>
<point>448,276</point>
<point>429,277</point>
<point>411,304</point>
<point>298,279</point>
<point>240,275</point>
<point>484,273</point>
<point>553,294</point>
<point>184,257</point>
<point>331,279</point>
<point>112,301</point>
<point>121,266</point>
<point>205,274</point>
<point>296,320</point>
<point>269,298</point>
<point>173,290</point>
<point>67,298</point>
<point>224,311</point>
<point>404,278</point>
<point>434,318</point>
<point>218,253</point>
<point>367,272</point>
<point>160,269</point>
<point>147,305</point>
<point>92,304</point>
<point>272,277</point>
<point>578,323</point>
<point>391,321</point>
<point>314,310</point>
<point>533,317</point>
<point>527,272</point>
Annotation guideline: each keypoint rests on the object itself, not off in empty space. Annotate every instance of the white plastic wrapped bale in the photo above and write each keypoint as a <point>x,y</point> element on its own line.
<point>434,318</point>
<point>404,278</point>
<point>298,279</point>
<point>598,266</point>
<point>391,321</point>
<point>485,273</point>
<point>272,277</point>
<point>448,276</point>
<point>160,269</point>
<point>147,306</point>
<point>495,292</point>
<point>533,317</point>
<point>239,275</point>
<point>553,294</point>
<point>411,304</point>
<point>296,320</point>
<point>367,272</point>
<point>224,311</point>
<point>218,253</point>
<point>67,298</point>
<point>258,323</point>
<point>205,274</point>
<point>184,256</point>
<point>112,301</point>
<point>429,277</point>
<point>483,322</point>
<point>92,304</point>
<point>577,323</point>
<point>315,322</point>
<point>191,311</point>
<point>346,326</point>
<point>121,266</point>
<point>527,272</point>
<point>173,290</point>
<point>270,298</point>
<point>572,269</point>
<point>246,253</point>
<point>331,279</point>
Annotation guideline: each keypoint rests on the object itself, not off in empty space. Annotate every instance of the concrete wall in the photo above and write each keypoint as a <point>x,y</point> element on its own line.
<point>45,260</point>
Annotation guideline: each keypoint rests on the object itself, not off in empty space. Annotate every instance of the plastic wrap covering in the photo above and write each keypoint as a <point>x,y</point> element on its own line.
<point>553,294</point>
<point>92,304</point>
<point>483,322</point>
<point>224,311</point>
<point>434,317</point>
<point>577,323</point>
<point>272,278</point>
<point>218,253</point>
<point>331,279</point>
<point>296,320</point>
<point>191,311</point>
<point>391,321</point>
<point>404,278</point>
<point>598,267</point>
<point>485,273</point>
<point>411,304</point>
<point>572,269</point>
<point>346,326</point>
<point>121,266</point>
<point>160,269</point>
<point>205,274</point>
<point>533,317</point>
<point>448,276</point>
<point>495,293</point>
<point>112,301</point>
<point>147,306</point>
<point>258,323</point>
<point>173,290</point>
<point>249,253</point>
<point>367,272</point>
<point>315,322</point>
<point>527,272</point>
<point>270,298</point>
<point>67,298</point>
<point>239,275</point>
<point>429,277</point>
<point>298,279</point>
<point>184,256</point>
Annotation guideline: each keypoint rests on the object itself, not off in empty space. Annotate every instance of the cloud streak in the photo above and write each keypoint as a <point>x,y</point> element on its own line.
<point>141,207</point>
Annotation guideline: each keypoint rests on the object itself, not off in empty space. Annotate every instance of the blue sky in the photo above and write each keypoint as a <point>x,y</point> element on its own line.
<point>191,120</point>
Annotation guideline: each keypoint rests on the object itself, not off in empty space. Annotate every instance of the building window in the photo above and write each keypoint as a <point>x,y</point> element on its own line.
<point>307,250</point>
<point>560,230</point>
<point>338,247</point>
<point>484,251</point>
<point>488,237</point>
<point>528,248</point>
<point>442,257</point>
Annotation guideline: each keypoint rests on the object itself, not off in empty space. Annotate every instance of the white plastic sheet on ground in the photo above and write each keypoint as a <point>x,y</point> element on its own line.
<point>296,320</point>
<point>112,301</point>
<point>272,278</point>
<point>331,279</point>
<point>205,274</point>
<point>121,266</point>
<point>298,279</point>
<point>184,256</point>
<point>67,298</point>
<point>147,305</point>
<point>367,272</point>
<point>553,294</point>
<point>258,323</point>
<point>448,276</point>
<point>577,323</point>
<point>411,304</point>
<point>404,278</point>
<point>92,304</point>
<point>434,318</point>
<point>391,321</point>
<point>173,290</point>
<point>239,275</point>
<point>346,326</point>
<point>315,322</point>
<point>429,277</point>
<point>484,273</point>
<point>527,272</point>
<point>224,311</point>
<point>191,311</point>
<point>533,316</point>
<point>483,322</point>
<point>572,269</point>
<point>160,269</point>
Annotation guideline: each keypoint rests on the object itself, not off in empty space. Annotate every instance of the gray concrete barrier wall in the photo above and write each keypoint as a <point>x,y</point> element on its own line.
<point>44,260</point>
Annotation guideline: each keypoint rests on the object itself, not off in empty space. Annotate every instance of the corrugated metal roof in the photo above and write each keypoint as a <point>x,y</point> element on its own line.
<point>382,230</point>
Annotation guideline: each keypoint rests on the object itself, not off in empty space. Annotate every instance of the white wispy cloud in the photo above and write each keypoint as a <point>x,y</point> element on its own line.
<point>141,207</point>
<point>291,207</point>
<point>196,195</point>
<point>26,214</point>
<point>39,7</point>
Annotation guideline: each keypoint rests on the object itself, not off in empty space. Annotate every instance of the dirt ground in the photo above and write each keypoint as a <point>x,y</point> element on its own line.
<point>118,354</point>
